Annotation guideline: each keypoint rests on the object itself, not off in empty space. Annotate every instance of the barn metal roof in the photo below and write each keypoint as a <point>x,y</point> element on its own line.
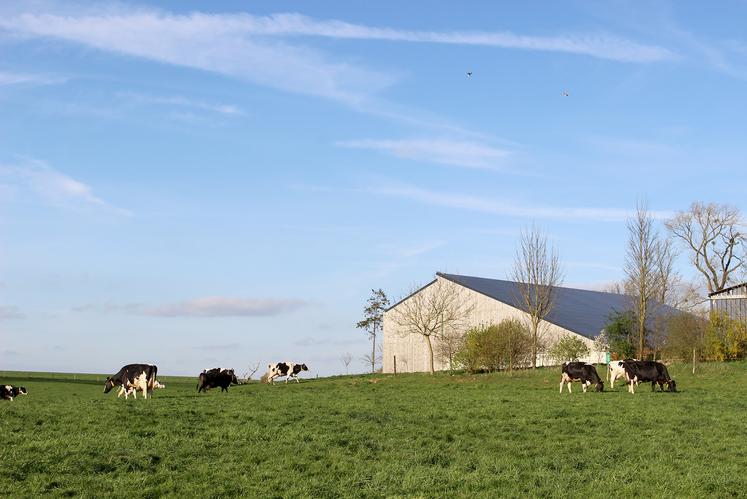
<point>579,310</point>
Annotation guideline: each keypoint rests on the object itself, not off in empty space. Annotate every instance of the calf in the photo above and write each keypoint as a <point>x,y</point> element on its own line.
<point>287,369</point>
<point>580,371</point>
<point>642,371</point>
<point>212,378</point>
<point>140,376</point>
<point>9,392</point>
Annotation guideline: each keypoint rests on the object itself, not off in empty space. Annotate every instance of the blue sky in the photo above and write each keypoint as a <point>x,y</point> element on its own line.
<point>197,187</point>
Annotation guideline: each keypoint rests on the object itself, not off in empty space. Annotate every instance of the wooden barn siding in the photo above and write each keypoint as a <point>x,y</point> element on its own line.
<point>412,350</point>
<point>732,302</point>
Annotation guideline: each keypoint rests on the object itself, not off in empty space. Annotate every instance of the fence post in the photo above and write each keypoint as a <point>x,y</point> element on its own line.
<point>395,365</point>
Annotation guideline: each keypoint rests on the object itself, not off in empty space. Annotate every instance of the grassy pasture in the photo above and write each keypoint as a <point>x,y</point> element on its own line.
<point>378,435</point>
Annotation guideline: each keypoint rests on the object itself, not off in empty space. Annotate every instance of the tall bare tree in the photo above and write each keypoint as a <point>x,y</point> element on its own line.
<point>537,273</point>
<point>373,320</point>
<point>438,309</point>
<point>641,272</point>
<point>714,236</point>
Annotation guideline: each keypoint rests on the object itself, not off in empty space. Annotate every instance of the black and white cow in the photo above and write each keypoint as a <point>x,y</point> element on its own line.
<point>642,371</point>
<point>134,376</point>
<point>287,369</point>
<point>132,389</point>
<point>9,392</point>
<point>580,371</point>
<point>217,377</point>
<point>616,370</point>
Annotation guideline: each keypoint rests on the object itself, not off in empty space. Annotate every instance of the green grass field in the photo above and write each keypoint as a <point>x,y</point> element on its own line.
<point>379,435</point>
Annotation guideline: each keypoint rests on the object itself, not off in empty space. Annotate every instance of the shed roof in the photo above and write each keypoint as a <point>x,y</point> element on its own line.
<point>579,310</point>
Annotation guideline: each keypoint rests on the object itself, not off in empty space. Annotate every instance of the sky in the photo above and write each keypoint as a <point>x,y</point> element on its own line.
<point>200,184</point>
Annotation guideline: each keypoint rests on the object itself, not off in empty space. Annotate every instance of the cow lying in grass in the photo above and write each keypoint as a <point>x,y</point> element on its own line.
<point>580,371</point>
<point>9,392</point>
<point>642,371</point>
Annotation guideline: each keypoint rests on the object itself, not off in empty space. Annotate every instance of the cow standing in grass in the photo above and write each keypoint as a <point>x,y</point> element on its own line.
<point>580,371</point>
<point>132,389</point>
<point>138,376</point>
<point>616,370</point>
<point>9,392</point>
<point>287,369</point>
<point>217,377</point>
<point>642,371</point>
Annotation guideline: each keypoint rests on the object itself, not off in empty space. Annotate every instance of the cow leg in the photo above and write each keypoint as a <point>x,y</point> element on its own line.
<point>568,384</point>
<point>561,384</point>
<point>297,380</point>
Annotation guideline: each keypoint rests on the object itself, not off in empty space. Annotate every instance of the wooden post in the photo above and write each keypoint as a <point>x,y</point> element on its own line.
<point>395,365</point>
<point>693,360</point>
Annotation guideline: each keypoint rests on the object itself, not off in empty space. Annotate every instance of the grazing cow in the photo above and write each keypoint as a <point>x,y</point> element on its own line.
<point>132,389</point>
<point>287,369</point>
<point>212,378</point>
<point>134,377</point>
<point>615,370</point>
<point>8,392</point>
<point>580,371</point>
<point>642,371</point>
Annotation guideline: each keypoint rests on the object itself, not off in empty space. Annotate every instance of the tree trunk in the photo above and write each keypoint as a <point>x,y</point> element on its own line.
<point>430,353</point>
<point>373,351</point>
<point>535,328</point>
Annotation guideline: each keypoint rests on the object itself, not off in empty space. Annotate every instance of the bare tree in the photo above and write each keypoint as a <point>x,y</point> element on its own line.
<point>713,236</point>
<point>642,275</point>
<point>251,372</point>
<point>373,320</point>
<point>432,311</point>
<point>537,272</point>
<point>346,359</point>
<point>666,292</point>
<point>448,344</point>
<point>373,358</point>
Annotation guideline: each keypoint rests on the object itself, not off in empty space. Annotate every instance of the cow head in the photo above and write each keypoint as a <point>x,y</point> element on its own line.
<point>108,385</point>
<point>600,386</point>
<point>304,368</point>
<point>22,390</point>
<point>672,385</point>
<point>234,380</point>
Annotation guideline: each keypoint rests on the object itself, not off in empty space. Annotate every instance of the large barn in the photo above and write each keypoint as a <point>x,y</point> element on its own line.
<point>577,312</point>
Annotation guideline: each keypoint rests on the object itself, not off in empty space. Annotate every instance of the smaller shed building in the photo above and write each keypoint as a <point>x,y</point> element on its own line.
<point>731,301</point>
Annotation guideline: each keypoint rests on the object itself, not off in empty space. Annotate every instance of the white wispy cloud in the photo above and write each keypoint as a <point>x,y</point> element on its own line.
<point>631,146</point>
<point>599,45</point>
<point>511,209</point>
<point>53,186</point>
<point>224,44</point>
<point>211,306</point>
<point>413,250</point>
<point>8,312</point>
<point>263,49</point>
<point>179,101</point>
<point>12,78</point>
<point>444,151</point>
